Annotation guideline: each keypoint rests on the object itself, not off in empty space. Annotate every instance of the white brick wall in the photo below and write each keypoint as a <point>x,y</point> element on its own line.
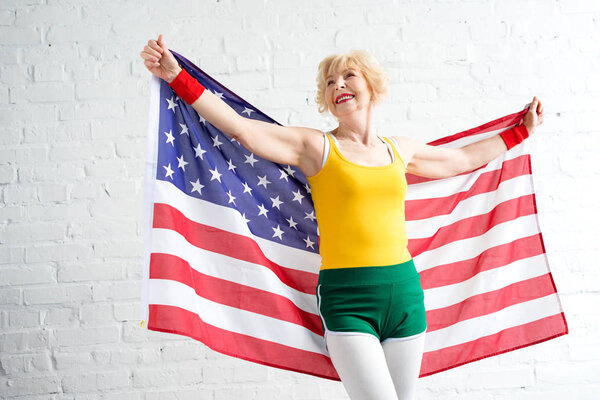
<point>73,121</point>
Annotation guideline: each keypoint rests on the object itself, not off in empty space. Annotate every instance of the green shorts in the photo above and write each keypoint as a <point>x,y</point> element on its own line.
<point>386,302</point>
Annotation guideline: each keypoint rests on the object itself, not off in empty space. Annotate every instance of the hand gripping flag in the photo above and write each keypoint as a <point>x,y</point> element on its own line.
<point>232,259</point>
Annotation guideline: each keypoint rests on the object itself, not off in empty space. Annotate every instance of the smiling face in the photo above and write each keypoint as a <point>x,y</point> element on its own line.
<point>346,91</point>
<point>357,74</point>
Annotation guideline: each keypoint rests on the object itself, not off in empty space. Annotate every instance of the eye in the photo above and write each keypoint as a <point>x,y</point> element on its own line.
<point>349,74</point>
<point>329,83</point>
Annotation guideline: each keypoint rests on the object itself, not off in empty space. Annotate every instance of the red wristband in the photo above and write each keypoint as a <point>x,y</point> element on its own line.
<point>186,87</point>
<point>514,136</point>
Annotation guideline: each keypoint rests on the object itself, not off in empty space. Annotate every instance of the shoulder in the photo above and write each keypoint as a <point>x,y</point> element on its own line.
<point>405,146</point>
<point>312,153</point>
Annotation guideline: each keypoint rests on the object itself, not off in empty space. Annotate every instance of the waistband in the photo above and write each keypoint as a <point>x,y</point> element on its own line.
<point>368,275</point>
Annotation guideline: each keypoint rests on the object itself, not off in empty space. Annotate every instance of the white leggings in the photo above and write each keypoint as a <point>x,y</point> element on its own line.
<point>372,370</point>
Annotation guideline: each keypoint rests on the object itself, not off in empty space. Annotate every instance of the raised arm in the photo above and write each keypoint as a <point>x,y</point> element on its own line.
<point>284,145</point>
<point>441,162</point>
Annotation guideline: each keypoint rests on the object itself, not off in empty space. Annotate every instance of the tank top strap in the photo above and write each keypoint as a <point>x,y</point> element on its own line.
<point>327,147</point>
<point>397,149</point>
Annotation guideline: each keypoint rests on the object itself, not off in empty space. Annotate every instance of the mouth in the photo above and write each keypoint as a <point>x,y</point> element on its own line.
<point>343,98</point>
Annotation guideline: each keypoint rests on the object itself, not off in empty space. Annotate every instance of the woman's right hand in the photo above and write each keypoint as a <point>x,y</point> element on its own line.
<point>159,60</point>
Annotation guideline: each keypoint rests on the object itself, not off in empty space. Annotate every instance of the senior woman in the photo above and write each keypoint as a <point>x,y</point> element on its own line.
<point>369,293</point>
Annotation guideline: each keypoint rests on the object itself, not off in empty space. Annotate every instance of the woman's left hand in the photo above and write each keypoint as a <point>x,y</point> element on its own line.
<point>534,116</point>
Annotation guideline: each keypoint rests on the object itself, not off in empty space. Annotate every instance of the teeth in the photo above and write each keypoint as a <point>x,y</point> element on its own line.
<point>344,98</point>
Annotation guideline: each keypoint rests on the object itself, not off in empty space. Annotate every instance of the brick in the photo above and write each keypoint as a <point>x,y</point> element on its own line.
<point>514,378</point>
<point>128,312</point>
<point>105,90</point>
<point>247,373</point>
<point>79,383</point>
<point>20,36</point>
<point>27,16</point>
<point>123,290</point>
<point>96,314</point>
<point>57,252</point>
<point>26,363</point>
<point>21,341</point>
<point>85,337</point>
<point>14,74</point>
<point>11,255</point>
<point>32,232</point>
<point>52,192</point>
<point>565,373</point>
<point>118,249</point>
<point>23,154</point>
<point>30,386</point>
<point>78,152</point>
<point>180,351</point>
<point>57,295</point>
<point>85,191</point>
<point>105,168</point>
<point>90,272</point>
<point>10,296</point>
<point>7,17</point>
<point>248,43</point>
<point>60,315</point>
<point>71,211</point>
<point>66,360</point>
<point>23,319</point>
<point>49,73</point>
<point>98,109</point>
<point>252,62</point>
<point>7,174</point>
<point>151,378</point>
<point>10,136</point>
<point>130,149</point>
<point>27,275</point>
<point>43,92</point>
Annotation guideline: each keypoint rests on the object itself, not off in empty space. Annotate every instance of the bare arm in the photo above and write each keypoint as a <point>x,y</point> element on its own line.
<point>440,162</point>
<point>284,145</point>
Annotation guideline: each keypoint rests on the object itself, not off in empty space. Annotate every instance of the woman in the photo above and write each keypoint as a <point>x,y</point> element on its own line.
<point>369,293</point>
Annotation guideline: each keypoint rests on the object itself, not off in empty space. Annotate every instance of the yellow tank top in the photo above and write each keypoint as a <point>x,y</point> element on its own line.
<point>360,211</point>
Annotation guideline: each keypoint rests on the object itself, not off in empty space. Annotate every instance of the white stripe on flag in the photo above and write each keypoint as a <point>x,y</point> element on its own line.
<point>228,268</point>
<point>474,138</point>
<point>475,328</point>
<point>456,184</point>
<point>172,293</point>
<point>476,205</point>
<point>230,220</point>
<point>465,249</point>
<point>486,281</point>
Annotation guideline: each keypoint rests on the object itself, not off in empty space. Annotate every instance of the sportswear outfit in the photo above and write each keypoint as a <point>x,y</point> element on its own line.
<point>368,283</point>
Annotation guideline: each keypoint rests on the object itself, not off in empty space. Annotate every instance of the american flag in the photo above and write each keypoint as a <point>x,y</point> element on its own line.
<point>232,258</point>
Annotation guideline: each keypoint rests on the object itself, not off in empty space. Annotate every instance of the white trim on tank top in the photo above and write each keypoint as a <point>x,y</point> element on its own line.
<point>326,150</point>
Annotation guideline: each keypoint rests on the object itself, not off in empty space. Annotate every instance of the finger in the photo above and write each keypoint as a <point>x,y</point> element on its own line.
<point>152,52</point>
<point>534,103</point>
<point>154,45</point>
<point>148,57</point>
<point>161,42</point>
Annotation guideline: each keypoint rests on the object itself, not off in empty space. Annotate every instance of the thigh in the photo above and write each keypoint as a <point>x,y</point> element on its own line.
<point>404,361</point>
<point>360,362</point>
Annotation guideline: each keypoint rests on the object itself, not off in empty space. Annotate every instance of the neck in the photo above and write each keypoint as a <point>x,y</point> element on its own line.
<point>356,127</point>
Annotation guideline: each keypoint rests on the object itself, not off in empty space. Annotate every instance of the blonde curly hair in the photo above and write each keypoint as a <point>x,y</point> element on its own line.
<point>374,74</point>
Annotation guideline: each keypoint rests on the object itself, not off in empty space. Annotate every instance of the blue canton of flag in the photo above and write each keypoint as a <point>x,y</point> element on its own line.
<point>203,162</point>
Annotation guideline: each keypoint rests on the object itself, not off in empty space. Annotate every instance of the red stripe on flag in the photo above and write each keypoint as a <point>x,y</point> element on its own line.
<point>474,226</point>
<point>494,257</point>
<point>230,244</point>
<point>166,266</point>
<point>490,302</point>
<point>503,341</point>
<point>503,122</point>
<point>182,322</point>
<point>485,183</point>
